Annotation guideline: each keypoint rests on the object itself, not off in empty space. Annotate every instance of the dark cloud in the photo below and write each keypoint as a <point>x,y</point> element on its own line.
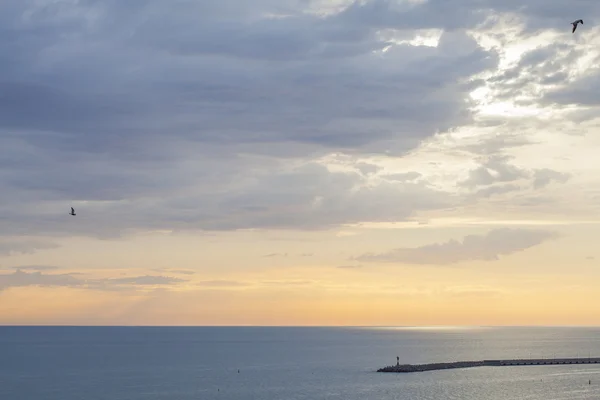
<point>145,115</point>
<point>193,68</point>
<point>489,247</point>
<point>119,104</point>
<point>537,15</point>
<point>307,197</point>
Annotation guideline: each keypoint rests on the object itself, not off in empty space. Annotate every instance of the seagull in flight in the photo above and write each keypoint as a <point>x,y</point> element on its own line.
<point>574,23</point>
<point>72,212</point>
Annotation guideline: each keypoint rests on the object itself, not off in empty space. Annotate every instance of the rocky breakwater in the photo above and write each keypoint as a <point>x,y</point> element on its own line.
<point>431,367</point>
<point>489,363</point>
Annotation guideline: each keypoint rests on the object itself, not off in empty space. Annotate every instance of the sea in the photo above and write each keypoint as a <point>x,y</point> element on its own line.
<point>290,363</point>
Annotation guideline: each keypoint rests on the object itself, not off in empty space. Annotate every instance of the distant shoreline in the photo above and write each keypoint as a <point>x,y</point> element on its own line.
<point>406,368</point>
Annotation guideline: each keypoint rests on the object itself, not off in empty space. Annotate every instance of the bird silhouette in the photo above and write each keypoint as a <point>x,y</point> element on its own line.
<point>72,212</point>
<point>574,23</point>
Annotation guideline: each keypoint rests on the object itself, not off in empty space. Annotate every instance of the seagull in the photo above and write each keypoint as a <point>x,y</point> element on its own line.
<point>574,23</point>
<point>72,212</point>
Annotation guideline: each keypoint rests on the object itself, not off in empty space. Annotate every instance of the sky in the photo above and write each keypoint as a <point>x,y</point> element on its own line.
<point>299,162</point>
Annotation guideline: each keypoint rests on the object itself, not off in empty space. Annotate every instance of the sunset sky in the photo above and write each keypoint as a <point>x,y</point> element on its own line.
<point>299,162</point>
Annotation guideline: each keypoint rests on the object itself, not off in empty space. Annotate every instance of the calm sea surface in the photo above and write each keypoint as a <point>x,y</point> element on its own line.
<point>117,363</point>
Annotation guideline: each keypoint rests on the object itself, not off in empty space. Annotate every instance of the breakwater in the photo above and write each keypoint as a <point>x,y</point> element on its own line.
<point>488,363</point>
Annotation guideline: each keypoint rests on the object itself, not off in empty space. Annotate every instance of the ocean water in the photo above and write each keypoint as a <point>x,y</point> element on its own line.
<point>181,363</point>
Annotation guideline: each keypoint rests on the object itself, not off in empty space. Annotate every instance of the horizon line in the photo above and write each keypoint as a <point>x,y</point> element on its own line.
<point>432,327</point>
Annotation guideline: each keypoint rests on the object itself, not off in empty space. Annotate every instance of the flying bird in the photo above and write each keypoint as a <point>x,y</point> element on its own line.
<point>72,212</point>
<point>574,23</point>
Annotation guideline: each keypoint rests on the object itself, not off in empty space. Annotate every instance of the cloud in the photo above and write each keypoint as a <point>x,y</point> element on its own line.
<point>175,271</point>
<point>22,278</point>
<point>271,255</point>
<point>494,143</point>
<point>497,190</point>
<point>403,177</point>
<point>140,100</point>
<point>307,197</point>
<point>489,247</point>
<point>313,197</point>
<point>537,74</point>
<point>12,247</point>
<point>582,91</point>
<point>222,284</point>
<point>233,284</point>
<point>36,268</point>
<point>217,114</point>
<point>492,170</point>
<point>291,282</point>
<point>368,169</point>
<point>144,280</point>
<point>543,177</point>
<point>496,176</point>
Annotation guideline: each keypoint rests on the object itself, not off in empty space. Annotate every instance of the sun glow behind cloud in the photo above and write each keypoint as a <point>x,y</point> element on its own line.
<point>425,37</point>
